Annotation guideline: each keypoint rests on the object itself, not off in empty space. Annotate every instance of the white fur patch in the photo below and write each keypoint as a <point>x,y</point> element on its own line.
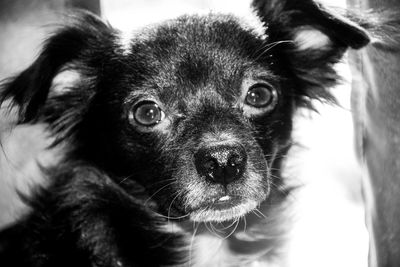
<point>64,80</point>
<point>251,21</point>
<point>125,41</point>
<point>310,38</point>
<point>172,227</point>
<point>219,138</point>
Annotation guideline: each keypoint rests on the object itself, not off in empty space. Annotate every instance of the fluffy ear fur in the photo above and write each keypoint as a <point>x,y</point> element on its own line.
<point>58,68</point>
<point>314,37</point>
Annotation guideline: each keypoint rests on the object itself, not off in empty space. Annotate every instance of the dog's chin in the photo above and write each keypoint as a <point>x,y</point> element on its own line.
<point>223,209</point>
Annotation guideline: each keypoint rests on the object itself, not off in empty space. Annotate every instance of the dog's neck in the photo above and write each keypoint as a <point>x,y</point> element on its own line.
<point>211,250</point>
<point>256,239</point>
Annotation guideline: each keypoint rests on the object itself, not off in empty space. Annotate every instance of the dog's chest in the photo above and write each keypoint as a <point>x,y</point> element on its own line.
<point>208,250</point>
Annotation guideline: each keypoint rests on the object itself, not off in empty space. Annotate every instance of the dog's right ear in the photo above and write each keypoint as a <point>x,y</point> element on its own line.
<point>64,54</point>
<point>312,38</point>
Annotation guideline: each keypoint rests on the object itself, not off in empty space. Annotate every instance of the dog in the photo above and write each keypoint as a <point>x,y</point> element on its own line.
<point>173,140</point>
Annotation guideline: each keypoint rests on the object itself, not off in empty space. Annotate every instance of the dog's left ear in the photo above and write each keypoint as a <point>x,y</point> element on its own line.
<point>314,39</point>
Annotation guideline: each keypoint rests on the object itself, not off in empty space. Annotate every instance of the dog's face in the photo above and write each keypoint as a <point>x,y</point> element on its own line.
<point>198,110</point>
<point>205,120</point>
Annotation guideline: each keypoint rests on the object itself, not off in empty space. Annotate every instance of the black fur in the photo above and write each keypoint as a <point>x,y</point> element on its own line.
<point>119,182</point>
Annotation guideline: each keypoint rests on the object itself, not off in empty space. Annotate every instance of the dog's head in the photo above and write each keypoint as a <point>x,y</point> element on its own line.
<point>197,110</point>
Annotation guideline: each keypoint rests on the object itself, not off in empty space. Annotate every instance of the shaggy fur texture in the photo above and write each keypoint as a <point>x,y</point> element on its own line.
<point>132,193</point>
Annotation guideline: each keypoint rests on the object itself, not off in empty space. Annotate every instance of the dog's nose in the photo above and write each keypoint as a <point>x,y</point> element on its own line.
<point>222,164</point>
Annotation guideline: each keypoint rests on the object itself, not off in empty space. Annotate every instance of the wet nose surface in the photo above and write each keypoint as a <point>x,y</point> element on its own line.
<point>221,164</point>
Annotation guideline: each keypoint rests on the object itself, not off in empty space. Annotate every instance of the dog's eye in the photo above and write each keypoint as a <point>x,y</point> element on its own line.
<point>147,113</point>
<point>260,96</point>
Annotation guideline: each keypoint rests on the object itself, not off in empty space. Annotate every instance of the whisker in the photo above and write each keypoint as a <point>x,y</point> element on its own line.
<point>245,224</point>
<point>159,190</point>
<point>192,242</point>
<point>260,213</point>
<point>234,230</point>
<point>163,181</point>
<point>211,229</point>
<point>123,180</point>
<point>227,227</point>
<point>172,218</point>
<point>272,45</point>
<point>170,205</point>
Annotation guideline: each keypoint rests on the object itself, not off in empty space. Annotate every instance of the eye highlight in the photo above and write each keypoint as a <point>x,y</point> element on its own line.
<point>146,113</point>
<point>260,96</point>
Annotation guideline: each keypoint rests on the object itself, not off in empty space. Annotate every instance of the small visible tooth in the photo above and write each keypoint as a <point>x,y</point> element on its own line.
<point>225,198</point>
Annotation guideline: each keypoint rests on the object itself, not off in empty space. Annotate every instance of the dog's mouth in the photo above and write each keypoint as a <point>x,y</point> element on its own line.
<point>223,208</point>
<point>220,182</point>
<point>226,202</point>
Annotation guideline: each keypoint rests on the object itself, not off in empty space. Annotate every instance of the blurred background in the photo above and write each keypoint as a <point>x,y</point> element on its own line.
<point>329,227</point>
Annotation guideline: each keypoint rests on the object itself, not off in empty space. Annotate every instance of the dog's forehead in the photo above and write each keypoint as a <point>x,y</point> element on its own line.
<point>197,52</point>
<point>223,29</point>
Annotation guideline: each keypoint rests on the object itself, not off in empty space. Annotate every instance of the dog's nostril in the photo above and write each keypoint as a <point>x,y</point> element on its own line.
<point>210,167</point>
<point>222,164</point>
<point>235,160</point>
<point>210,164</point>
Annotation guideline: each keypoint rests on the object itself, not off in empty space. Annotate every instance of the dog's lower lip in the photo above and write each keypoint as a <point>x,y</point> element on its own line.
<point>226,202</point>
<point>219,211</point>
